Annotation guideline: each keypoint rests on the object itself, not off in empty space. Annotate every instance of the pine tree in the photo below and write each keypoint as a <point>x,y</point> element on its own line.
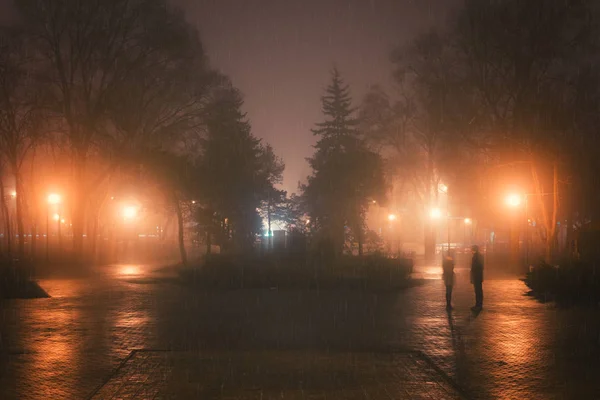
<point>346,174</point>
<point>231,174</point>
<point>337,108</point>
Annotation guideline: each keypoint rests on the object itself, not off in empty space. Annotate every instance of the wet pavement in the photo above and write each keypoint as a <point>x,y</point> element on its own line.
<point>69,346</point>
<point>277,375</point>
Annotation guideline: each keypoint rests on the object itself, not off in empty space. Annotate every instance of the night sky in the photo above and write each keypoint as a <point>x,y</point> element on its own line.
<point>279,54</point>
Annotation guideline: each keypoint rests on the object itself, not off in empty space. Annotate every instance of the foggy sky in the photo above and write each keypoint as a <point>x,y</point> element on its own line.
<point>279,53</point>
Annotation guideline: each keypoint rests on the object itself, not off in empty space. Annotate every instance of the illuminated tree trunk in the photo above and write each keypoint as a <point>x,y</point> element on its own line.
<point>19,211</point>
<point>429,234</point>
<point>6,215</point>
<point>33,210</point>
<point>549,223</point>
<point>79,202</point>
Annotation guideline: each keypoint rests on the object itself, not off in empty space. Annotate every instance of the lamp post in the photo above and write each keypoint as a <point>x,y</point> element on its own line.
<point>391,219</point>
<point>467,222</point>
<point>514,201</point>
<point>435,213</point>
<point>53,199</point>
<point>129,214</point>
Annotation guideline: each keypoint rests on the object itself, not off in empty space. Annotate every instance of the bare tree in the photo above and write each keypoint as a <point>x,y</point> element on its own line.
<point>86,51</point>
<point>523,74</point>
<point>20,117</point>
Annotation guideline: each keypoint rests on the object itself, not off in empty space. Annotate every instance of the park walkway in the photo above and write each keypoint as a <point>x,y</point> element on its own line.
<point>167,341</point>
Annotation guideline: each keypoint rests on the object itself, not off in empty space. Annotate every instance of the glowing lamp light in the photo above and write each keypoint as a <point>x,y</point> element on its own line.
<point>130,270</point>
<point>513,200</point>
<point>54,198</point>
<point>13,194</point>
<point>443,188</point>
<point>130,212</point>
<point>468,221</point>
<point>392,217</point>
<point>435,213</point>
<point>56,217</point>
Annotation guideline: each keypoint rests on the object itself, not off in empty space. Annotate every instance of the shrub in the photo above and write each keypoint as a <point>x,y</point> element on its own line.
<point>285,271</point>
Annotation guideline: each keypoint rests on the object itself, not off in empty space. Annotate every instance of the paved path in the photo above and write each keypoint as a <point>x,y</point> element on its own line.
<point>67,346</point>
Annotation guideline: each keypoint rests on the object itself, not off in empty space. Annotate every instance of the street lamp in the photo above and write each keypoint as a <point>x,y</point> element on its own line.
<point>467,221</point>
<point>392,217</point>
<point>435,213</point>
<point>513,200</point>
<point>53,199</point>
<point>129,212</point>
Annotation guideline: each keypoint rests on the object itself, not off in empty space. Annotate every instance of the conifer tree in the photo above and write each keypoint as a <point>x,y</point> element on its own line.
<point>346,173</point>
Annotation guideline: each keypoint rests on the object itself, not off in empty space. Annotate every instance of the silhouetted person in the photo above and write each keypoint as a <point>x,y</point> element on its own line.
<point>448,277</point>
<point>477,277</point>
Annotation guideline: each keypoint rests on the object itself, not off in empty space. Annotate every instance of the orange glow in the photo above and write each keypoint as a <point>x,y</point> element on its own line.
<point>130,270</point>
<point>392,217</point>
<point>129,212</point>
<point>13,193</point>
<point>54,198</point>
<point>513,200</point>
<point>435,213</point>
<point>468,221</point>
<point>56,217</point>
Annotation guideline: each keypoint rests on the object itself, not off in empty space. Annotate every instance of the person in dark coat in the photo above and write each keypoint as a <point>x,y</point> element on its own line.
<point>448,277</point>
<point>477,277</point>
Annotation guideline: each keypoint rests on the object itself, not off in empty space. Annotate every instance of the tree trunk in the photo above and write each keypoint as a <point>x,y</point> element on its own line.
<point>33,211</point>
<point>165,228</point>
<point>554,209</point>
<point>94,239</point>
<point>548,223</point>
<point>33,240</point>
<point>19,211</point>
<point>359,237</point>
<point>79,203</point>
<point>208,242</point>
<point>428,226</point>
<point>180,229</point>
<point>6,215</point>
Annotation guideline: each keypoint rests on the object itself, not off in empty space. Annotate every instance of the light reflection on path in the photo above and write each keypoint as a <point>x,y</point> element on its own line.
<point>64,346</point>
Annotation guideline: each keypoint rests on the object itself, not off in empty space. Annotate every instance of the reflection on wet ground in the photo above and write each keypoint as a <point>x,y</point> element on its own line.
<point>66,346</point>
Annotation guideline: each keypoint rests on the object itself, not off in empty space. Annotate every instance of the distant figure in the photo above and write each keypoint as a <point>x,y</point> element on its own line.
<point>477,277</point>
<point>448,277</point>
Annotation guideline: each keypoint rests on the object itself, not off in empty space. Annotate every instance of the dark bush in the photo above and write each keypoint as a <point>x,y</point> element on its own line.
<point>574,282</point>
<point>16,281</point>
<point>374,272</point>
